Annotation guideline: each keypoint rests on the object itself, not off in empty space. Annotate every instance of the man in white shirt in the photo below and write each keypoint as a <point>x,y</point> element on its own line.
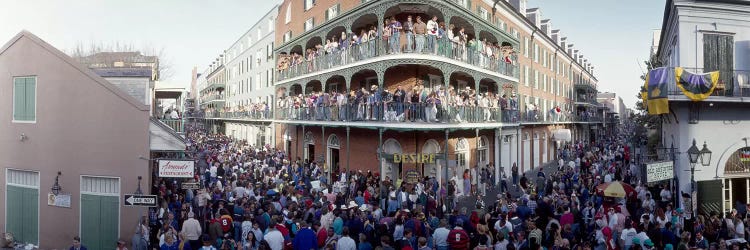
<point>192,229</point>
<point>665,195</point>
<point>502,223</point>
<point>346,242</point>
<point>432,32</point>
<point>274,238</point>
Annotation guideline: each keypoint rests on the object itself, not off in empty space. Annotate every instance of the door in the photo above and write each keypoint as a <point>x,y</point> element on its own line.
<point>334,159</point>
<point>100,211</point>
<point>310,152</point>
<point>22,201</point>
<point>537,151</point>
<point>505,155</point>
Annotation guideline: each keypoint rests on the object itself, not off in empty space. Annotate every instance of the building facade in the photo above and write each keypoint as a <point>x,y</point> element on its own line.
<point>89,159</point>
<point>239,85</point>
<point>523,87</point>
<point>707,36</point>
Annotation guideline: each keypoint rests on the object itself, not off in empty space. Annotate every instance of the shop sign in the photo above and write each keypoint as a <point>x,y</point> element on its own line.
<point>176,169</point>
<point>659,171</point>
<point>59,200</point>
<point>414,158</point>
<point>411,176</point>
<point>191,185</point>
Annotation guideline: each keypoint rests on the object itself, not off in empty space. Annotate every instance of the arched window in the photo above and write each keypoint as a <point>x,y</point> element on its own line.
<point>483,152</point>
<point>309,138</point>
<point>333,141</point>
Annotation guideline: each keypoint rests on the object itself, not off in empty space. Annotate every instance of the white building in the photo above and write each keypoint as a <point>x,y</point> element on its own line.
<point>705,36</point>
<point>248,66</point>
<point>614,103</point>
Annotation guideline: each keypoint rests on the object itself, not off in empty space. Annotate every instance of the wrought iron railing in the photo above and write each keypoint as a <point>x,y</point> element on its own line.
<point>178,125</point>
<point>732,83</point>
<point>373,48</point>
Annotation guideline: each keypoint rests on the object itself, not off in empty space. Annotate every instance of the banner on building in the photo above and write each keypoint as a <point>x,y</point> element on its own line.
<point>657,81</point>
<point>176,169</point>
<point>697,87</point>
<point>659,171</point>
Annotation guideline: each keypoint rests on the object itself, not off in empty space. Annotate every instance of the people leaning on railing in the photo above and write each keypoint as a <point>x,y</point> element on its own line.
<point>415,104</point>
<point>409,36</point>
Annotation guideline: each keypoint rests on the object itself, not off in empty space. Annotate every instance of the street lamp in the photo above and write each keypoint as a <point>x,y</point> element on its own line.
<point>694,154</point>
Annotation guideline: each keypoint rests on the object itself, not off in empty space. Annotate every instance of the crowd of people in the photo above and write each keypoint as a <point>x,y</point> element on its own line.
<point>401,104</point>
<point>260,110</point>
<point>413,35</point>
<point>260,198</point>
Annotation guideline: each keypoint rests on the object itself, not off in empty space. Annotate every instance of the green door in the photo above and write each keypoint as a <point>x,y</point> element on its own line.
<point>22,219</point>
<point>99,221</point>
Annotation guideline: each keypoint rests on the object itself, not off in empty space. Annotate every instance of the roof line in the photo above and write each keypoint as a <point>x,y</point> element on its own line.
<point>86,71</point>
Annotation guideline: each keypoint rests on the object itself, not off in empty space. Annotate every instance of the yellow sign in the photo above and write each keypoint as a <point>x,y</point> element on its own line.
<point>414,158</point>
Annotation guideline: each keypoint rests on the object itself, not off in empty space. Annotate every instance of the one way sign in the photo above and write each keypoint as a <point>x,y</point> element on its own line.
<point>134,200</point>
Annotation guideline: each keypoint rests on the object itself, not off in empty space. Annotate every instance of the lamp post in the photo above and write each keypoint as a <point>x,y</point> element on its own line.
<point>693,155</point>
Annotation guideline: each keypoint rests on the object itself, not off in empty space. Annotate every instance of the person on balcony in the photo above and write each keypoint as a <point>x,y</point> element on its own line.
<point>395,41</point>
<point>364,37</point>
<point>420,29</point>
<point>398,98</point>
<point>408,29</point>
<point>372,37</point>
<point>387,32</point>
<point>344,44</point>
<point>432,29</point>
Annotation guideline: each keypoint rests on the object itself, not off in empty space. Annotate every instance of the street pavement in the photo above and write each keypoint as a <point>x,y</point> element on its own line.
<point>491,193</point>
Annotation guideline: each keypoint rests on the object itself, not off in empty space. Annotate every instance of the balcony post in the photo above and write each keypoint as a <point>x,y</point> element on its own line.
<point>348,148</point>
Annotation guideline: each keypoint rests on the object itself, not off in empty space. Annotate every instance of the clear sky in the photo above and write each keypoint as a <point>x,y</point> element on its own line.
<point>614,35</point>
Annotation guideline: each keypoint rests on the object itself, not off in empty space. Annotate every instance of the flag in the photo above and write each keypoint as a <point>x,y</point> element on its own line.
<point>697,87</point>
<point>744,155</point>
<point>657,81</point>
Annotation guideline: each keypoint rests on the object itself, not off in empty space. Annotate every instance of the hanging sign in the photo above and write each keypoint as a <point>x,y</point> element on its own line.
<point>411,176</point>
<point>659,171</point>
<point>176,169</point>
<point>59,200</point>
<point>413,158</point>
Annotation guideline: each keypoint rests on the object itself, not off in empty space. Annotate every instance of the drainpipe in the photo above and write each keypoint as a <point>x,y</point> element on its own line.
<point>531,143</point>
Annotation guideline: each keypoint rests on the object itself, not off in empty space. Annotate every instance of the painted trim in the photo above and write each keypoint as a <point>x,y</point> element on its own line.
<point>38,207</point>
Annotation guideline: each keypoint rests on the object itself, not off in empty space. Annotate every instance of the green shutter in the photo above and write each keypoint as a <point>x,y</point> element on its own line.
<point>19,104</point>
<point>90,215</point>
<point>23,214</point>
<point>30,99</point>
<point>100,225</point>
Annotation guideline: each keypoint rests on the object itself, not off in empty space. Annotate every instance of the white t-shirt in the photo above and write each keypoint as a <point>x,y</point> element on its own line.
<point>665,195</point>
<point>275,240</point>
<point>507,225</point>
<point>628,235</point>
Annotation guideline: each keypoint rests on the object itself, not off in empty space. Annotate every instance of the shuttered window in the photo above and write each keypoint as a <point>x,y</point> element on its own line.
<point>24,99</point>
<point>333,11</point>
<point>718,54</point>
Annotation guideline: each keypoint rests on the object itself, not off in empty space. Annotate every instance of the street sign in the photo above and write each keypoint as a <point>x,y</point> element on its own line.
<point>191,185</point>
<point>135,200</point>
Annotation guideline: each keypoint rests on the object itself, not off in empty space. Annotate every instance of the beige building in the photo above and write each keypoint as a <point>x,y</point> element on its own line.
<point>58,116</point>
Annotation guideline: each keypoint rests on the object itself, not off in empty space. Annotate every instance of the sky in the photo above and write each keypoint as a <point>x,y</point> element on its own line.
<point>614,35</point>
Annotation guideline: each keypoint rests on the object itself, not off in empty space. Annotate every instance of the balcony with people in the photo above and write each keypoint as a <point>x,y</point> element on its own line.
<point>404,31</point>
<point>402,94</point>
<point>251,111</point>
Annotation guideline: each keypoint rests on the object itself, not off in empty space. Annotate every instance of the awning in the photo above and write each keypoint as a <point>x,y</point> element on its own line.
<point>562,135</point>
<point>163,138</point>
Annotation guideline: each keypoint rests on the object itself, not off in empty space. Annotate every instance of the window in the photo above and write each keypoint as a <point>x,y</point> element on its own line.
<point>24,99</point>
<point>483,151</point>
<point>544,58</point>
<point>257,81</point>
<point>258,56</point>
<point>287,36</point>
<point>309,24</point>
<point>536,79</point>
<point>464,3</point>
<point>269,51</point>
<point>287,15</point>
<point>536,53</point>
<point>484,14</point>
<point>309,4</point>
<point>514,33</point>
<point>527,75</point>
<point>270,25</point>
<point>333,11</point>
<point>526,46</point>
<point>544,82</point>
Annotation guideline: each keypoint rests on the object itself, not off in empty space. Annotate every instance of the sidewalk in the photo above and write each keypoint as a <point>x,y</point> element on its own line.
<point>491,193</point>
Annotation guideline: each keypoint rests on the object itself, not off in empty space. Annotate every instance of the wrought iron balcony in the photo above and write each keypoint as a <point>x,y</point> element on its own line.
<point>732,83</point>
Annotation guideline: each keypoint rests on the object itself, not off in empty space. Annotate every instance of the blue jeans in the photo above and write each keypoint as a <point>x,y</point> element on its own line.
<point>237,231</point>
<point>395,42</point>
<point>431,43</point>
<point>420,43</point>
<point>409,41</point>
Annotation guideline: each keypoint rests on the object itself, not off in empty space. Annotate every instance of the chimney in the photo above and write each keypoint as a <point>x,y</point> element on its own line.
<point>535,16</point>
<point>556,36</point>
<point>546,27</point>
<point>519,5</point>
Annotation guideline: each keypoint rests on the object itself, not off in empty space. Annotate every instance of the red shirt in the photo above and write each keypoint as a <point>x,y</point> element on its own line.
<point>322,237</point>
<point>283,230</point>
<point>458,239</point>
<point>226,223</point>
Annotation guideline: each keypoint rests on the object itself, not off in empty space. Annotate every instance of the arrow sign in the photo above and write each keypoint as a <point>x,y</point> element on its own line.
<point>134,200</point>
<point>191,185</point>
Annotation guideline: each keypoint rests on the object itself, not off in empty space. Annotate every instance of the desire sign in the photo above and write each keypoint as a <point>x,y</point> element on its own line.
<point>414,158</point>
<point>176,169</point>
